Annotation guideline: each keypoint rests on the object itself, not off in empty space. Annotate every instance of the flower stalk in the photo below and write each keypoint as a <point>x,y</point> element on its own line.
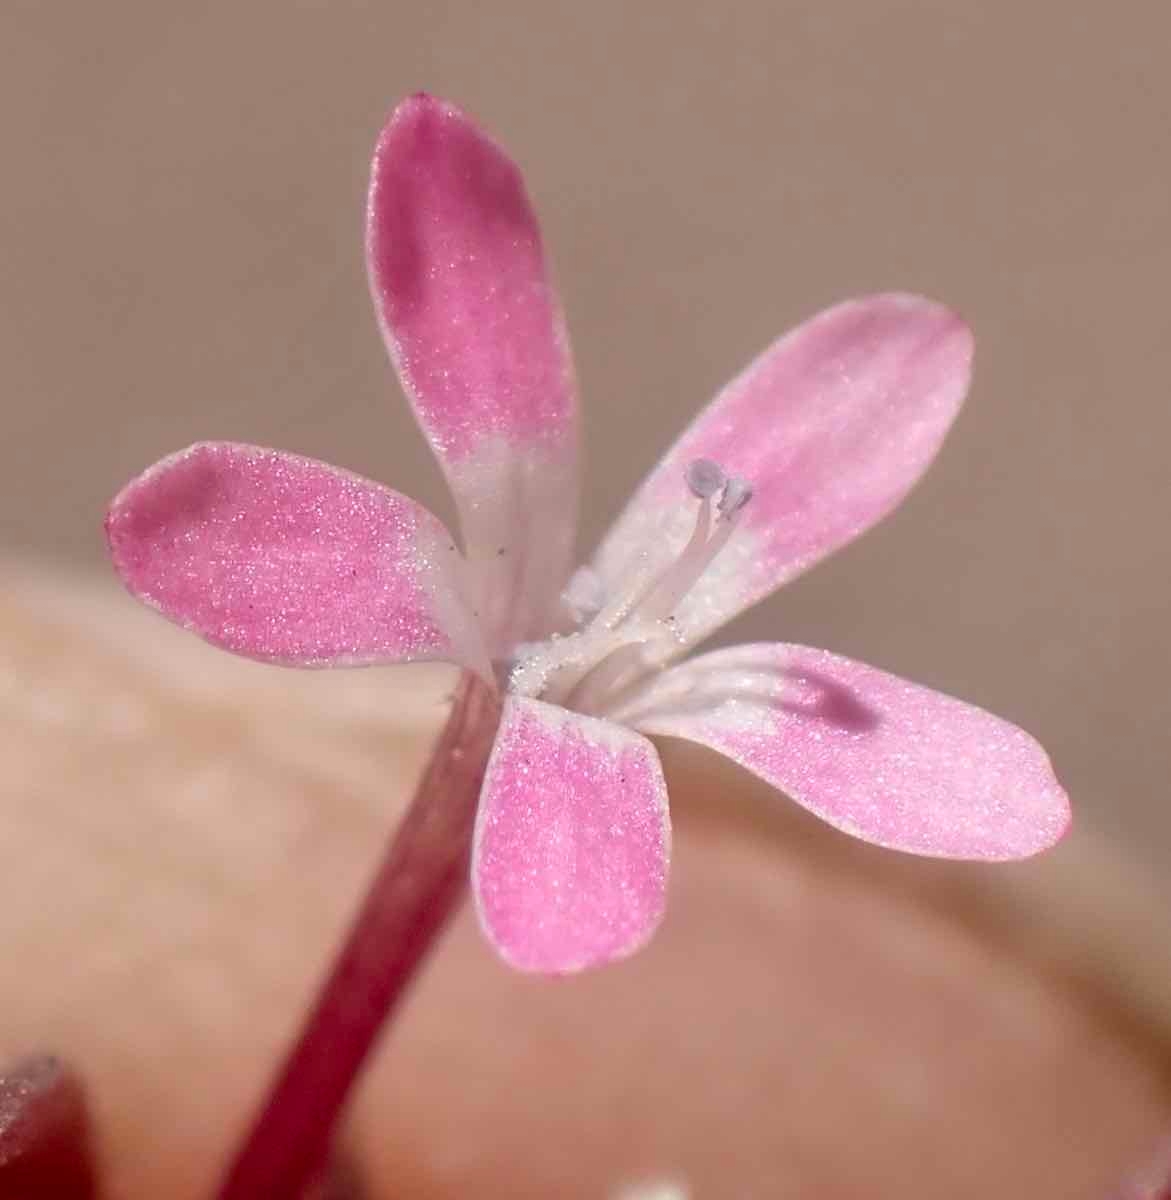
<point>44,1132</point>
<point>415,892</point>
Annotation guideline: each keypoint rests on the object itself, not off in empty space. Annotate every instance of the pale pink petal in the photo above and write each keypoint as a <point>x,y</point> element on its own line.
<point>572,840</point>
<point>472,324</point>
<point>885,760</point>
<point>291,561</point>
<point>831,426</point>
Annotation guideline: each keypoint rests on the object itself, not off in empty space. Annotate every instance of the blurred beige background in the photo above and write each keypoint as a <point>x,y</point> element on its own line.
<point>180,248</point>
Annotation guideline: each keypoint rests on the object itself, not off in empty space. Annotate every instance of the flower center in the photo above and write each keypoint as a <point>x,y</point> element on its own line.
<point>624,637</point>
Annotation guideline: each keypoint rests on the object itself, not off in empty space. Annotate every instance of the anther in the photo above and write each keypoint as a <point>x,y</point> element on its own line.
<point>736,494</point>
<point>705,478</point>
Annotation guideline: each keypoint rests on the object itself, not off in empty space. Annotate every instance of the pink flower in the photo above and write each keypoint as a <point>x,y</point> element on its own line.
<point>291,561</point>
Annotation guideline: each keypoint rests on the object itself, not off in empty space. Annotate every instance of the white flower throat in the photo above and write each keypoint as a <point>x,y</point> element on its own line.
<point>623,638</point>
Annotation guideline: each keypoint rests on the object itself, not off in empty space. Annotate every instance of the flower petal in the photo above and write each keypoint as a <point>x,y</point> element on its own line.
<point>572,840</point>
<point>472,324</point>
<point>831,427</point>
<point>885,760</point>
<point>291,561</point>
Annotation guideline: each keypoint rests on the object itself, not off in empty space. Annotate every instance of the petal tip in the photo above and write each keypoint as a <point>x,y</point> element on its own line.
<point>1040,814</point>
<point>563,959</point>
<point>413,109</point>
<point>931,316</point>
<point>1051,826</point>
<point>567,946</point>
<point>130,506</point>
<point>413,117</point>
<point>939,342</point>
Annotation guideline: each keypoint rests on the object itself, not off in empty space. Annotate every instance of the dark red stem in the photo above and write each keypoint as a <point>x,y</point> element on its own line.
<point>417,888</point>
<point>44,1133</point>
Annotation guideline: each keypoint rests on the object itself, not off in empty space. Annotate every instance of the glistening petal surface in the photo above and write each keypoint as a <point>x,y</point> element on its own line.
<point>572,840</point>
<point>831,426</point>
<point>291,561</point>
<point>886,760</point>
<point>473,326</point>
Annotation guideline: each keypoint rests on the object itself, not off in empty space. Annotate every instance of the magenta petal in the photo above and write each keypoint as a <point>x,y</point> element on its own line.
<point>831,426</point>
<point>288,560</point>
<point>472,324</point>
<point>572,840</point>
<point>885,760</point>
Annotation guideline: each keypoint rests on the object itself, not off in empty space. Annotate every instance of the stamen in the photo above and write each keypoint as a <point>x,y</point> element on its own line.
<point>674,583</point>
<point>736,494</point>
<point>607,676</point>
<point>707,540</point>
<point>584,595</point>
<point>634,632</point>
<point>625,606</point>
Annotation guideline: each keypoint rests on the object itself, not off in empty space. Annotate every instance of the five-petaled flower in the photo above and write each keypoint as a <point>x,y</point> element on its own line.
<point>291,561</point>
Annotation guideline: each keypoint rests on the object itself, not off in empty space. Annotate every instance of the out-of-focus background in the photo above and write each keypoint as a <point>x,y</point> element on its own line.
<point>180,245</point>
